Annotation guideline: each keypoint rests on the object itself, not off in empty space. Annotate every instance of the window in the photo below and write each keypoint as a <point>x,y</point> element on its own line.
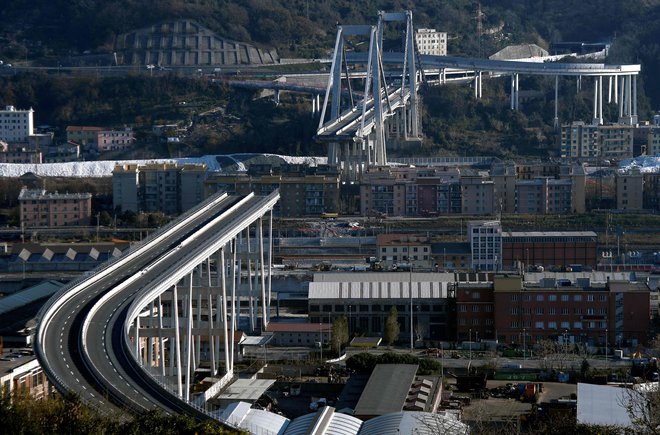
<point>577,325</point>
<point>476,295</point>
<point>564,311</point>
<point>475,322</point>
<point>552,311</point>
<point>564,298</point>
<point>475,308</point>
<point>590,298</point>
<point>514,324</point>
<point>538,325</point>
<point>462,308</point>
<point>552,325</point>
<point>514,310</point>
<point>552,298</point>
<point>565,325</point>
<point>591,311</point>
<point>539,310</point>
<point>578,311</point>
<point>539,298</point>
<point>577,298</point>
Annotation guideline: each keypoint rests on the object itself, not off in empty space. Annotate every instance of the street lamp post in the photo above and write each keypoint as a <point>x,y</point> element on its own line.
<point>524,346</point>
<point>412,340</point>
<point>606,340</point>
<point>470,343</point>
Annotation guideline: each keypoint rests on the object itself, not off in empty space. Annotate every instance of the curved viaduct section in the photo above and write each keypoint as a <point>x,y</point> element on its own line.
<point>82,340</point>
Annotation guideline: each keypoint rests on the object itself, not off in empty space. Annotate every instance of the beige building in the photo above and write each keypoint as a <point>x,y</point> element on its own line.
<point>303,191</point>
<point>519,187</point>
<point>653,144</point>
<point>630,190</point>
<point>430,41</point>
<point>614,141</point>
<point>20,373</point>
<point>404,250</point>
<point>42,209</point>
<point>478,195</point>
<point>165,187</point>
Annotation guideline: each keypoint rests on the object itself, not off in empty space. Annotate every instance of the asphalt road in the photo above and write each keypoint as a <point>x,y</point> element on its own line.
<point>62,335</point>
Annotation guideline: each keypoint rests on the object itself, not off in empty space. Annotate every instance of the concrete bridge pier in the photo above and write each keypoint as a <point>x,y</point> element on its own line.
<point>515,100</point>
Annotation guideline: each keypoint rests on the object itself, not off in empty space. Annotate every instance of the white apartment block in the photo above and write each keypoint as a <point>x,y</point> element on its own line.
<point>16,125</point>
<point>430,41</point>
<point>486,244</point>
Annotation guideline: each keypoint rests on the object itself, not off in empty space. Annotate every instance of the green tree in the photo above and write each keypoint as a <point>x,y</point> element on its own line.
<point>392,327</point>
<point>339,333</point>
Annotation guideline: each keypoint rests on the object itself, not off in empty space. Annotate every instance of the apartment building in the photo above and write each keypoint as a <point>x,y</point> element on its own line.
<point>478,195</point>
<point>85,136</point>
<point>40,208</point>
<point>20,373</point>
<point>16,126</point>
<point>430,41</point>
<point>630,190</point>
<point>99,139</point>
<point>485,245</point>
<point>613,141</point>
<point>304,191</point>
<point>398,249</point>
<point>165,187</point>
<point>115,140</point>
<point>580,311</point>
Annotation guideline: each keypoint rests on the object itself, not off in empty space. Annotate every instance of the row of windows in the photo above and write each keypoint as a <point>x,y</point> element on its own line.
<point>564,298</point>
<point>475,308</point>
<point>563,325</point>
<point>552,311</point>
<point>475,322</point>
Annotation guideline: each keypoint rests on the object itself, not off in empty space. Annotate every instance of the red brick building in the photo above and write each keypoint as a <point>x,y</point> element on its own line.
<point>475,311</point>
<point>561,310</point>
<point>548,248</point>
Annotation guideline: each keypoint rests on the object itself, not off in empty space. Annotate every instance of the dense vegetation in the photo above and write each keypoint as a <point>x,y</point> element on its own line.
<point>454,123</point>
<point>306,27</point>
<point>24,415</point>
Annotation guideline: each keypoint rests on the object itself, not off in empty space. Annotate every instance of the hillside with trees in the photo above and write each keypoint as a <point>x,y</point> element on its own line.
<point>453,124</point>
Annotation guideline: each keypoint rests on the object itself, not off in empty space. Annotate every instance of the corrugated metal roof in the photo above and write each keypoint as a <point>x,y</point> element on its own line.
<point>378,290</point>
<point>413,422</point>
<point>383,277</point>
<point>386,390</point>
<point>40,291</point>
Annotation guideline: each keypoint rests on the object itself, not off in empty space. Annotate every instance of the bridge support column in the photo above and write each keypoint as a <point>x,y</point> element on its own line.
<point>634,100</point>
<point>609,89</point>
<point>598,101</point>
<point>161,346</point>
<point>221,271</point>
<point>234,312</point>
<point>150,340</point>
<point>556,123</point>
<point>177,341</point>
<point>515,101</point>
<point>270,258</point>
<point>264,300</point>
<point>615,79</point>
<point>189,341</point>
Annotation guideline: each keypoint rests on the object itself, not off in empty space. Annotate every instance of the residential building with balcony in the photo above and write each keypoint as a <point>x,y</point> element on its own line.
<point>40,208</point>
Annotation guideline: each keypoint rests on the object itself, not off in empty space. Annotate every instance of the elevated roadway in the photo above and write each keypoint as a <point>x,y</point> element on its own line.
<point>80,339</point>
